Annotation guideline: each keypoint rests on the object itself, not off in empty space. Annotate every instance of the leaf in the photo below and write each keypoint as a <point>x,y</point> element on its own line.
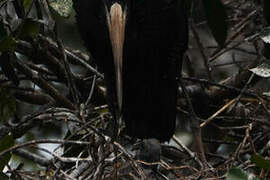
<point>3,176</point>
<point>216,17</point>
<point>27,4</point>
<point>62,7</point>
<point>8,43</point>
<point>266,94</point>
<point>236,174</point>
<point>262,70</point>
<point>3,32</point>
<point>7,104</point>
<point>30,28</point>
<point>103,110</point>
<point>265,35</point>
<point>260,162</point>
<point>7,68</point>
<point>5,143</point>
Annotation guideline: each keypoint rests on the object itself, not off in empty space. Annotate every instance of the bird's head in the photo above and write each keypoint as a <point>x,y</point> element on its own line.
<point>116,14</point>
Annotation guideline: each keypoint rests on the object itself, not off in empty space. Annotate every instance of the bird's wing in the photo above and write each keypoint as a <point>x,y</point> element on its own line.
<point>156,43</point>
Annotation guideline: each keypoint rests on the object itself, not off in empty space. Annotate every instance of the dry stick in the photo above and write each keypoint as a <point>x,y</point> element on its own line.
<point>29,9</point>
<point>74,57</point>
<point>43,84</point>
<point>239,28</point>
<point>220,85</point>
<point>231,63</point>
<point>62,159</point>
<point>233,127</point>
<point>70,78</point>
<point>25,123</point>
<point>39,13</point>
<point>40,69</point>
<point>81,168</point>
<point>243,90</point>
<point>201,49</point>
<point>52,59</point>
<point>91,91</point>
<point>169,167</point>
<point>195,123</point>
<point>133,162</point>
<point>222,51</point>
<point>32,97</point>
<point>250,139</point>
<point>264,106</point>
<point>47,15</point>
<point>18,9</point>
<point>100,165</point>
<point>46,56</point>
<point>237,152</point>
<point>67,176</point>
<point>217,113</point>
<point>241,25</point>
<point>237,118</point>
<point>33,157</point>
<point>191,154</point>
<point>182,145</point>
<point>84,63</point>
<point>42,141</point>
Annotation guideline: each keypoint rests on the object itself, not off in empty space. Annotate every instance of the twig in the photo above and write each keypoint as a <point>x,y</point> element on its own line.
<point>71,83</point>
<point>33,157</point>
<point>191,154</point>
<point>42,141</point>
<point>207,121</point>
<point>201,49</point>
<point>46,86</point>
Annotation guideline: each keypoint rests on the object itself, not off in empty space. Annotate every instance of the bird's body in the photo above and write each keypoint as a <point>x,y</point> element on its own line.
<point>155,39</point>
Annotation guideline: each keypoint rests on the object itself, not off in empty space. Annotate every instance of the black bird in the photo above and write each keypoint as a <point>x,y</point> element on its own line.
<point>138,45</point>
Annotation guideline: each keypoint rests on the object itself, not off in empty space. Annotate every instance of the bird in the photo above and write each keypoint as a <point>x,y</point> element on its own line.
<point>138,45</point>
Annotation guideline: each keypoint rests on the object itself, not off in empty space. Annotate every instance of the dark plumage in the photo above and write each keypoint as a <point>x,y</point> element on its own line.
<point>156,36</point>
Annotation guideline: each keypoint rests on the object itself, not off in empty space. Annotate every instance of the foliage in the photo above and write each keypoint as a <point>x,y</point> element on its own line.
<point>260,161</point>
<point>7,105</point>
<point>5,143</point>
<point>238,174</point>
<point>262,70</point>
<point>61,7</point>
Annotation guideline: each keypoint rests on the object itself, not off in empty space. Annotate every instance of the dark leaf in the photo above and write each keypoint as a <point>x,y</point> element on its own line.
<point>7,104</point>
<point>2,31</point>
<point>27,4</point>
<point>7,68</point>
<point>5,143</point>
<point>3,176</point>
<point>62,7</point>
<point>236,174</point>
<point>8,43</point>
<point>260,161</point>
<point>30,28</point>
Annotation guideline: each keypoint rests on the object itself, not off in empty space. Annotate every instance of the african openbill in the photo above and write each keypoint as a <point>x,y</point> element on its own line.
<point>138,45</point>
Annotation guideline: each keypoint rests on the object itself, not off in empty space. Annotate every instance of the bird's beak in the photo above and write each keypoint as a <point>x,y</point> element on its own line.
<point>116,20</point>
